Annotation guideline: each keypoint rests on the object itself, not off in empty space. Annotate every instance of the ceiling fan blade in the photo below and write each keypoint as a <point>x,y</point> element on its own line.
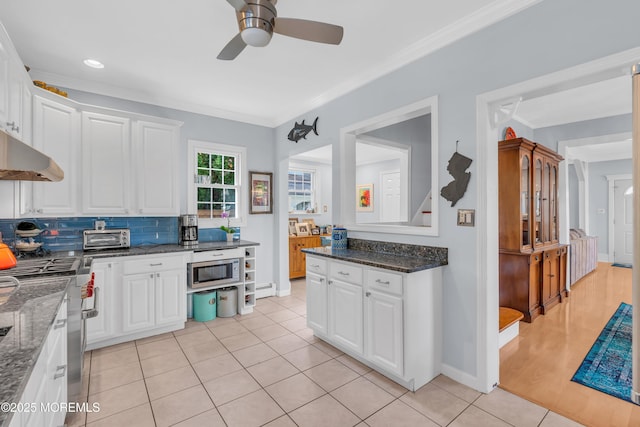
<point>238,5</point>
<point>309,30</point>
<point>232,49</point>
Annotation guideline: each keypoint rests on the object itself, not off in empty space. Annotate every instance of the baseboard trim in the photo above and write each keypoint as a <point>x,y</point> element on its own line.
<point>463,378</point>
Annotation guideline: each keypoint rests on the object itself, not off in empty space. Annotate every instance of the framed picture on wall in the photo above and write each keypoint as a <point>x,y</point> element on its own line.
<point>261,196</point>
<point>364,198</point>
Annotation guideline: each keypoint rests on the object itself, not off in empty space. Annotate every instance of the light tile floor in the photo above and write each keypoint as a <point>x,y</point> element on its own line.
<point>267,368</point>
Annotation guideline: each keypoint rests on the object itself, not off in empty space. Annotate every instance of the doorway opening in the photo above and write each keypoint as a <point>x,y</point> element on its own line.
<point>489,130</point>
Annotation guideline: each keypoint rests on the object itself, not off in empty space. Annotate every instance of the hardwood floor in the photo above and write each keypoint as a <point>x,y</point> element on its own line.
<point>539,364</point>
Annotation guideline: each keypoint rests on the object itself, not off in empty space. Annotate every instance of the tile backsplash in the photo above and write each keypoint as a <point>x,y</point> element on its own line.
<point>65,234</point>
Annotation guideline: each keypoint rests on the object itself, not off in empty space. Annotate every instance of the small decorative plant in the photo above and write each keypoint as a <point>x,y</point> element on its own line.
<point>227,229</point>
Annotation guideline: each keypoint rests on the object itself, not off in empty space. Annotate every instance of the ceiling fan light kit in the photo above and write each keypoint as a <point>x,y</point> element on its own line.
<point>258,20</point>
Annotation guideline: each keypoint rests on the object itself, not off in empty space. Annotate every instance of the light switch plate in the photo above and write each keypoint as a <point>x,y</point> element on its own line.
<point>466,217</point>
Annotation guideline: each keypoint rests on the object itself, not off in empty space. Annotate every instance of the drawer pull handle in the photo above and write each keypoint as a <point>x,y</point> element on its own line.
<point>315,265</point>
<point>367,294</point>
<point>62,369</point>
<point>321,280</point>
<point>60,324</point>
<point>380,282</point>
<point>156,264</point>
<point>343,273</point>
<point>330,282</point>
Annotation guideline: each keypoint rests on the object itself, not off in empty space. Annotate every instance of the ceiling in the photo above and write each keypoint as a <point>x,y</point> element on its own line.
<point>164,52</point>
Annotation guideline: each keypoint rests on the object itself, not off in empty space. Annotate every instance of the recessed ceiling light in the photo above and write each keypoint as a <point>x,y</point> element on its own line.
<point>93,63</point>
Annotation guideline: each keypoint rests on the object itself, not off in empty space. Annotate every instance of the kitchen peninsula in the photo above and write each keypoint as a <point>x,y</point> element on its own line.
<point>381,304</point>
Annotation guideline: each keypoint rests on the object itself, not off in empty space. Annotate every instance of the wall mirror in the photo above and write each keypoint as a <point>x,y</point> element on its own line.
<point>389,171</point>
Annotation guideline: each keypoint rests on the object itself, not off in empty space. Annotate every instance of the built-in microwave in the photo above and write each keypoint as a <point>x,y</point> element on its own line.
<point>213,273</point>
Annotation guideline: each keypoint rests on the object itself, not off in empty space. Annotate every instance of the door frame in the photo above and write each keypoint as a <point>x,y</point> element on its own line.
<point>487,133</point>
<point>611,226</point>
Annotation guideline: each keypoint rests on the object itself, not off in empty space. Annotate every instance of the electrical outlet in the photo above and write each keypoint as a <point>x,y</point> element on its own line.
<point>325,208</point>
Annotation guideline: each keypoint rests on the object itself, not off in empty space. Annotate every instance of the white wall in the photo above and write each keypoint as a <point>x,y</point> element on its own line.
<point>548,37</point>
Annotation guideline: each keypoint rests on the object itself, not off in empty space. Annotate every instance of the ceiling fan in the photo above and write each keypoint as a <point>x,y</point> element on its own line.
<point>258,20</point>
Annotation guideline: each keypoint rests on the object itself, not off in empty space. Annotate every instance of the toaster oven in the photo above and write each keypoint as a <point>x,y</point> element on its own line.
<point>106,239</point>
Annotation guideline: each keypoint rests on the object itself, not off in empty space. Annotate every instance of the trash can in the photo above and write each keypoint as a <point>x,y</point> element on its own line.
<point>204,306</point>
<point>227,301</point>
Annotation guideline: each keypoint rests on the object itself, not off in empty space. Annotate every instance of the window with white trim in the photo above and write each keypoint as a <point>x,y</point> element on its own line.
<point>216,171</point>
<point>302,191</point>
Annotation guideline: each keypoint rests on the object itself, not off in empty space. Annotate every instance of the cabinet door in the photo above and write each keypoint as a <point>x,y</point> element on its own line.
<point>317,303</point>
<point>297,259</point>
<point>384,343</point>
<point>106,145</point>
<point>102,327</point>
<point>14,123</point>
<point>138,302</point>
<point>56,132</point>
<point>345,315</point>
<point>171,304</point>
<point>4,85</point>
<point>156,168</point>
<point>550,279</point>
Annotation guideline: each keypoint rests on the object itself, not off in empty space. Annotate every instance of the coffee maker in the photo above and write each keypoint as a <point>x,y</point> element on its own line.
<point>188,230</point>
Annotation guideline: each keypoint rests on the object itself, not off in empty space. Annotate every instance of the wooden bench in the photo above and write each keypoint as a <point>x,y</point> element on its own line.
<point>509,325</point>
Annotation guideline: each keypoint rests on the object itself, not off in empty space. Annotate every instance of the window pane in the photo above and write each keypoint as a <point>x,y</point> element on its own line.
<point>204,194</point>
<point>203,160</point>
<point>231,209</point>
<point>204,210</point>
<point>216,177</point>
<point>229,163</point>
<point>204,172</point>
<point>229,178</point>
<point>216,162</point>
<point>217,195</point>
<point>217,210</point>
<point>307,186</point>
<point>229,195</point>
<point>307,176</point>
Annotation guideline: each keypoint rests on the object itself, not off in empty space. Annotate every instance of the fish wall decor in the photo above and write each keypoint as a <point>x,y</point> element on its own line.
<point>301,130</point>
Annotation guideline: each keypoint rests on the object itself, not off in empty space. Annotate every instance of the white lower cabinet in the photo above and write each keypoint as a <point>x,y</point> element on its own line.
<point>345,315</point>
<point>317,312</point>
<point>384,330</point>
<point>388,320</point>
<point>102,327</point>
<point>142,296</point>
<point>47,385</point>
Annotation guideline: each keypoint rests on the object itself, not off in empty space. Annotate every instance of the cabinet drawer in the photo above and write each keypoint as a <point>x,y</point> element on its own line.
<point>316,265</point>
<point>216,255</point>
<point>346,272</point>
<point>386,282</point>
<point>144,265</point>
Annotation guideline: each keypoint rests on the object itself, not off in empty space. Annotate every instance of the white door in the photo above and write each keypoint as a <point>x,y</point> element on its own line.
<point>391,197</point>
<point>171,306</point>
<point>317,303</point>
<point>101,327</point>
<point>384,331</point>
<point>345,315</point>
<point>623,222</point>
<point>138,302</point>
<point>106,153</point>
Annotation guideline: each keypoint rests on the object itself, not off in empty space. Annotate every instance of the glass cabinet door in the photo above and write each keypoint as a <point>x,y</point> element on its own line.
<point>546,190</point>
<point>537,201</point>
<point>525,184</point>
<point>553,203</point>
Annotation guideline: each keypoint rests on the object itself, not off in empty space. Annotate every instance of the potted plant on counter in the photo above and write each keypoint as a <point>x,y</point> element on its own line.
<point>227,229</point>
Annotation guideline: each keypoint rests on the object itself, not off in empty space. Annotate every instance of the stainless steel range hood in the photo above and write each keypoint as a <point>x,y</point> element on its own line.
<point>20,162</point>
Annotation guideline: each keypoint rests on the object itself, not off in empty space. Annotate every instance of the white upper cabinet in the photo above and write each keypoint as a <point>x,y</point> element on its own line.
<point>106,156</point>
<point>56,132</point>
<point>4,83</point>
<point>156,166</point>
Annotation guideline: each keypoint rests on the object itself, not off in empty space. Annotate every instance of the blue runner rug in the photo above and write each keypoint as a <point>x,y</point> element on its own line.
<point>607,367</point>
<point>617,264</point>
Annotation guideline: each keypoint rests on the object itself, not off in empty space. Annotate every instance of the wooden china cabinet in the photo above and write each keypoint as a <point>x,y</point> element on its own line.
<point>532,261</point>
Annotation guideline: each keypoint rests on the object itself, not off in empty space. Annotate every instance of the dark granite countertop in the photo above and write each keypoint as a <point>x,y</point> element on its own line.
<point>30,312</point>
<point>163,249</point>
<point>388,261</point>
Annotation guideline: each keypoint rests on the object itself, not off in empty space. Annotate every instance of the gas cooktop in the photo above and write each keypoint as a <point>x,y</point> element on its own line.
<point>38,267</point>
